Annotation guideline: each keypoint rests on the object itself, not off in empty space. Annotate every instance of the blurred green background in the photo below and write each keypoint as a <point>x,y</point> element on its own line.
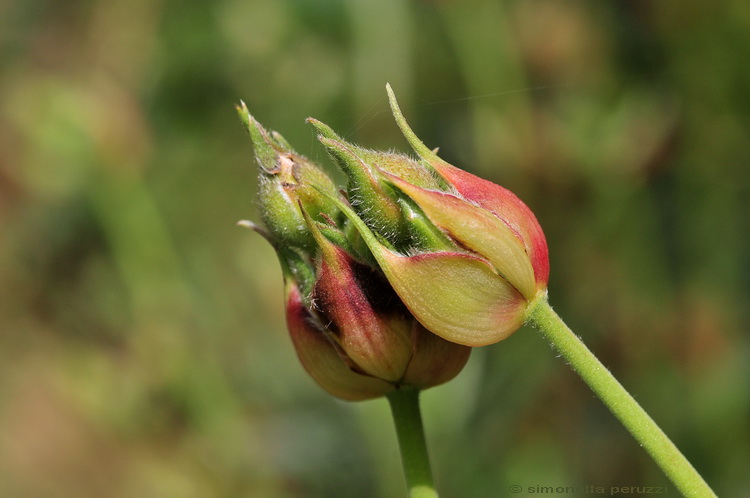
<point>142,345</point>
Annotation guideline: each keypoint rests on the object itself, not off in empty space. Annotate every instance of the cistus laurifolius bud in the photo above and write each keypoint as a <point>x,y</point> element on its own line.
<point>351,331</point>
<point>468,279</point>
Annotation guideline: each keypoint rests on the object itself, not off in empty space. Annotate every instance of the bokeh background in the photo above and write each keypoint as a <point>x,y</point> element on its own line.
<point>142,346</point>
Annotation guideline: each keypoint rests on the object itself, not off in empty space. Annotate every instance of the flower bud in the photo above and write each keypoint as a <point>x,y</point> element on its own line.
<point>351,331</point>
<point>475,289</point>
<point>496,199</point>
<point>285,178</point>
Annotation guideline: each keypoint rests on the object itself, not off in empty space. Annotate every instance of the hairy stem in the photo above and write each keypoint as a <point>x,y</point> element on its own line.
<point>618,400</point>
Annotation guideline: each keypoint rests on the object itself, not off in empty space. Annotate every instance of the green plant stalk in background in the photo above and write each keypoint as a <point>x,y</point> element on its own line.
<point>411,441</point>
<point>635,419</point>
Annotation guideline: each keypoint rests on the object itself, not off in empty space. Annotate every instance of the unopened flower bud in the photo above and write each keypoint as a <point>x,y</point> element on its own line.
<point>285,178</point>
<point>494,198</point>
<point>476,290</point>
<point>351,331</point>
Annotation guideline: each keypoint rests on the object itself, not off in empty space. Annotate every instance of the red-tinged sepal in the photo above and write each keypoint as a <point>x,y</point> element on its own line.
<point>508,207</point>
<point>435,360</point>
<point>490,196</point>
<point>456,296</point>
<point>321,359</point>
<point>367,319</point>
<point>478,230</point>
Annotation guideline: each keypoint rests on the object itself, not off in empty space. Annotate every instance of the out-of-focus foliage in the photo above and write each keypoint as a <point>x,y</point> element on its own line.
<point>142,344</point>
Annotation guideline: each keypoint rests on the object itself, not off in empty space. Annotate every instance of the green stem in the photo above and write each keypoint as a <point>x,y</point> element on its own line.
<point>405,409</point>
<point>618,400</point>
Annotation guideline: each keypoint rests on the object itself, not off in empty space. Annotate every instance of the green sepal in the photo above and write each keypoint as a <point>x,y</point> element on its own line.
<point>266,147</point>
<point>373,201</point>
<point>297,267</point>
<point>285,179</point>
<point>478,230</point>
<point>423,235</point>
